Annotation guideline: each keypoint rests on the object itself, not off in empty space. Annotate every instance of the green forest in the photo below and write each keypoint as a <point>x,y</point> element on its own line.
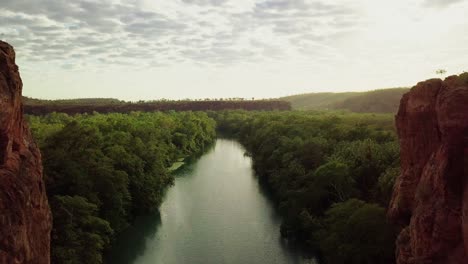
<point>326,171</point>
<point>103,170</point>
<point>233,132</point>
<point>331,175</point>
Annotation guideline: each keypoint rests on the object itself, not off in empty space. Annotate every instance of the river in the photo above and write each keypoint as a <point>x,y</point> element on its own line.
<point>215,213</point>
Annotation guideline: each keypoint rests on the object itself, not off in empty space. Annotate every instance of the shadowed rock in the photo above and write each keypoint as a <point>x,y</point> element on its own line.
<point>430,198</point>
<point>25,219</point>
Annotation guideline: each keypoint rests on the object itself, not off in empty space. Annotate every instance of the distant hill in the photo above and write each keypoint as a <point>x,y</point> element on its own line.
<point>316,101</point>
<point>377,101</point>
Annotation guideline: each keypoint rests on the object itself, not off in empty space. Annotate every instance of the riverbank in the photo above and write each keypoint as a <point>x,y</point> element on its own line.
<point>214,213</point>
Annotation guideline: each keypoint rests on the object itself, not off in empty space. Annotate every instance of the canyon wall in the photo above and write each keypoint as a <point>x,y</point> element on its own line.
<point>25,218</point>
<point>430,198</point>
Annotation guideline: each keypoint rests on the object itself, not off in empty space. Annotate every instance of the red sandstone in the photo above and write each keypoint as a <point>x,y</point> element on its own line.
<point>430,198</point>
<point>25,219</point>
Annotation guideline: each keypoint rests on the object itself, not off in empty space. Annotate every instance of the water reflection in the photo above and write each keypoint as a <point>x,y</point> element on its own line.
<point>132,242</point>
<point>217,212</point>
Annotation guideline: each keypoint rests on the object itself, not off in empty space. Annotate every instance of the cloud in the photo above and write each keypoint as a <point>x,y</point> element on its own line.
<point>115,33</point>
<point>441,3</point>
<point>206,2</point>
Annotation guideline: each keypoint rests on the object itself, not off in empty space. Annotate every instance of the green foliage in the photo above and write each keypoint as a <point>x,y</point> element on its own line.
<point>335,179</point>
<point>330,173</point>
<point>103,170</point>
<point>441,72</point>
<point>356,232</point>
<point>385,185</point>
<point>367,161</point>
<point>317,165</point>
<point>79,235</point>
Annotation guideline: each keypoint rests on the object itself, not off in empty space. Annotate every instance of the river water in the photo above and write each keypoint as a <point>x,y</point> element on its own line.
<point>215,213</point>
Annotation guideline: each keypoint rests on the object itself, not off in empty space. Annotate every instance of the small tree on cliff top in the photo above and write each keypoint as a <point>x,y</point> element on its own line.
<point>441,72</point>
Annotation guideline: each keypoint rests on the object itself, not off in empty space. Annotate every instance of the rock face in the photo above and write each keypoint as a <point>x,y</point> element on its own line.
<point>25,219</point>
<point>430,198</point>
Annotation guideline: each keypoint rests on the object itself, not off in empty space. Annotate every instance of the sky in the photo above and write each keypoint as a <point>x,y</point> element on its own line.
<point>177,49</point>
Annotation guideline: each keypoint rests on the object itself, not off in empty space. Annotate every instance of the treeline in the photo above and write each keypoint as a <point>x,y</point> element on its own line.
<point>79,101</point>
<point>331,176</point>
<point>103,170</point>
<point>80,106</point>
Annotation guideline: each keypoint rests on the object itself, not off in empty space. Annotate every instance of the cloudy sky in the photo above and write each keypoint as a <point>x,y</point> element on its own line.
<point>150,49</point>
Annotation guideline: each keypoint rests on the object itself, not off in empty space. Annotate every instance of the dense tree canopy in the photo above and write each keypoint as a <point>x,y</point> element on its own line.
<point>356,232</point>
<point>103,170</point>
<point>331,175</point>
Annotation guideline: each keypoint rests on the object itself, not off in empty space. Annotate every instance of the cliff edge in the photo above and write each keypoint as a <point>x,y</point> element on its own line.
<point>430,198</point>
<point>25,218</point>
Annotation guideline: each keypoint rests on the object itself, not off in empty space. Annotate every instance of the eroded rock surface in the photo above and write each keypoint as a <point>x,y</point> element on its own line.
<point>25,219</point>
<point>430,198</point>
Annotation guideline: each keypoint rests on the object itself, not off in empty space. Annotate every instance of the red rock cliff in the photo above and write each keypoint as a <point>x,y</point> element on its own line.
<point>25,219</point>
<point>430,198</point>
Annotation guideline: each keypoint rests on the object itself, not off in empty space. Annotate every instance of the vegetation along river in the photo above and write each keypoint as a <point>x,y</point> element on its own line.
<point>215,213</point>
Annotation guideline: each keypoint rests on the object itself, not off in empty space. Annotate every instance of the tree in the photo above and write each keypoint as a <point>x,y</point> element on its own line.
<point>102,170</point>
<point>79,235</point>
<point>334,177</point>
<point>355,232</point>
<point>441,72</point>
<point>384,188</point>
